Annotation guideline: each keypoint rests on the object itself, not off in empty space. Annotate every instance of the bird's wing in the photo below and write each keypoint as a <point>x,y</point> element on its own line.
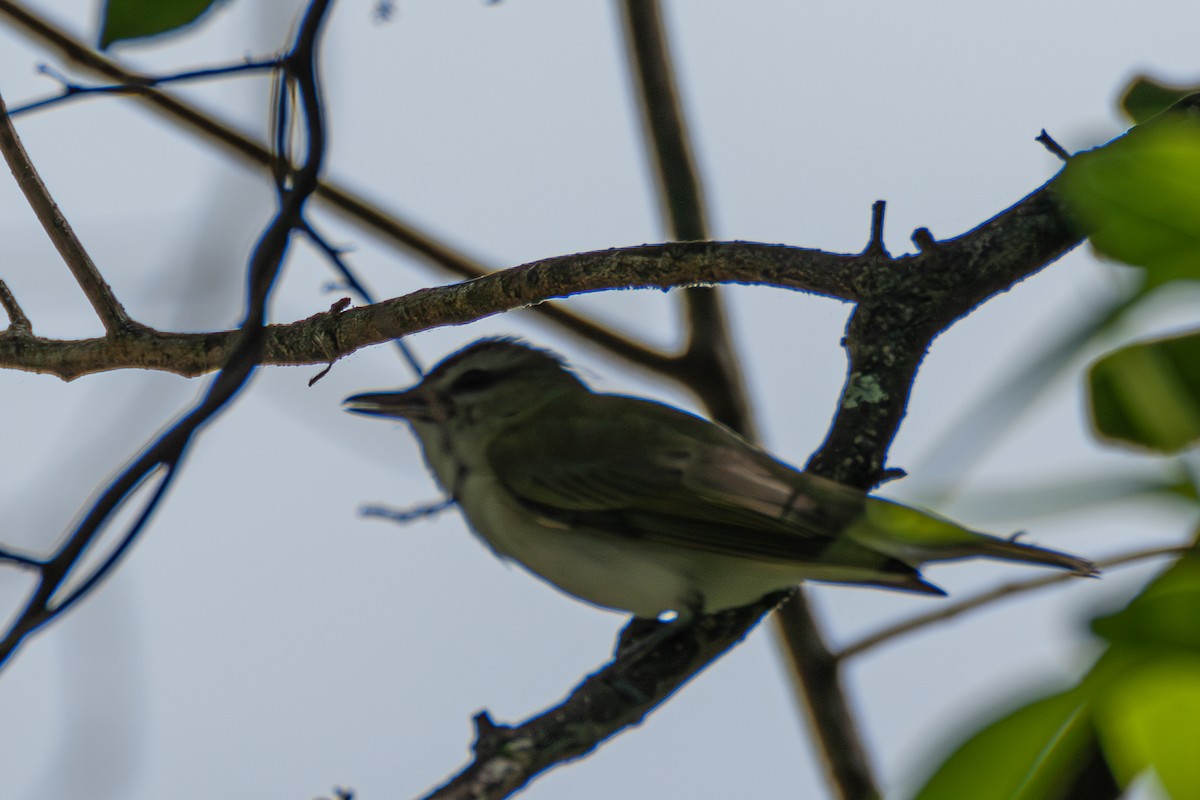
<point>637,468</point>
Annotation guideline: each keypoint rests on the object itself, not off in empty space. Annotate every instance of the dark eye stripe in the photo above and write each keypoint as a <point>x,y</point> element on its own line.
<point>473,380</point>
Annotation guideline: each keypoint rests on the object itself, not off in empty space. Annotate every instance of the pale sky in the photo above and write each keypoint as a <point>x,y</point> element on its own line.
<point>263,640</point>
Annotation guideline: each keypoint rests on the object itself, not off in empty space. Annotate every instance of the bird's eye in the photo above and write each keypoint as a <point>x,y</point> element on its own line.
<point>473,380</point>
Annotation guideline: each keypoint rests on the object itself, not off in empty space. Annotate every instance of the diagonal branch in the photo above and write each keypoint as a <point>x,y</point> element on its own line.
<point>98,292</point>
<point>711,369</point>
<point>998,593</point>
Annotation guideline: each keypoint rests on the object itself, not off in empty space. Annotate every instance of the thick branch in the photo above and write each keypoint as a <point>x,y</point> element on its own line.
<point>330,335</point>
<point>1000,252</point>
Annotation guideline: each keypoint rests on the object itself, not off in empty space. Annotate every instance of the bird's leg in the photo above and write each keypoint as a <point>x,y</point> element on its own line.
<point>641,636</point>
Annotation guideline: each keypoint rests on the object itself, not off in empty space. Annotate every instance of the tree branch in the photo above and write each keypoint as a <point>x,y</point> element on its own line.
<point>1009,247</point>
<point>993,595</point>
<point>353,208</point>
<point>163,456</point>
<point>507,758</point>
<point>97,290</point>
<point>710,368</point>
<point>332,334</point>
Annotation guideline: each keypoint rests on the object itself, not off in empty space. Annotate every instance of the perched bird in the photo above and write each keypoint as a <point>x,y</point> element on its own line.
<point>635,505</point>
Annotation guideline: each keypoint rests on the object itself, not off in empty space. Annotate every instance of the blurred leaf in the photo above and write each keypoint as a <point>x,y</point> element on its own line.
<point>1140,197</point>
<point>1140,702</point>
<point>1148,394</point>
<point>137,19</point>
<point>1145,97</point>
<point>1151,718</point>
<point>1032,754</point>
<point>1148,715</point>
<point>1165,615</point>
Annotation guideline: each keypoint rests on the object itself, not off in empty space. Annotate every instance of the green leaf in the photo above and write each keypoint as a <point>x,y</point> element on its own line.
<point>1165,616</point>
<point>1151,718</point>
<point>1032,754</point>
<point>1146,689</point>
<point>1148,394</point>
<point>1146,97</point>
<point>137,19</point>
<point>1140,198</point>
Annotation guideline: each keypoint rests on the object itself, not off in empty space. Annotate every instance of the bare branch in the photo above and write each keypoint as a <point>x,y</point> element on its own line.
<point>993,595</point>
<point>353,208</point>
<point>709,366</point>
<point>507,758</point>
<point>680,194</point>
<point>330,335</point>
<point>98,292</point>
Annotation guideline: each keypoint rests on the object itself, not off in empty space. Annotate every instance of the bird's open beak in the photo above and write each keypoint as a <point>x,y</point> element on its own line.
<point>411,404</point>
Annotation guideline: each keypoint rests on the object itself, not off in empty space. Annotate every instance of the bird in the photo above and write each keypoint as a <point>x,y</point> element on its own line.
<point>640,507</point>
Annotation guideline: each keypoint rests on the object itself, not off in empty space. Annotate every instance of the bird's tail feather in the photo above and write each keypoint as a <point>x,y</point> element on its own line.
<point>1010,550</point>
<point>917,537</point>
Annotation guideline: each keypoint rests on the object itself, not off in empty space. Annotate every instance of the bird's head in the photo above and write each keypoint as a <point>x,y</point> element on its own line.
<point>484,387</point>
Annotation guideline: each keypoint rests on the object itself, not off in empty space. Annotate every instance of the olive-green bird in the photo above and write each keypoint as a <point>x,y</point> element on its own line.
<point>638,506</point>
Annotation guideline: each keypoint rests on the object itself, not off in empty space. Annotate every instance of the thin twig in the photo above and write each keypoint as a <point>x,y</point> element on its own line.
<point>20,559</point>
<point>17,321</point>
<point>1054,147</point>
<point>992,595</point>
<point>875,245</point>
<point>141,83</point>
<point>352,282</point>
<point>407,515</point>
<point>99,294</point>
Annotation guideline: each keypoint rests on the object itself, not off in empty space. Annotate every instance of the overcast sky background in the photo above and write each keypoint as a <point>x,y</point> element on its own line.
<point>264,641</point>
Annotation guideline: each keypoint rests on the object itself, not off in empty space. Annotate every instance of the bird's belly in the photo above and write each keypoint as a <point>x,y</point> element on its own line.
<point>599,567</point>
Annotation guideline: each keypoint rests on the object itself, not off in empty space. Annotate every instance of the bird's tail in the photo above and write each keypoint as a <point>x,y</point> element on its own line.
<point>1012,550</point>
<point>918,537</point>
